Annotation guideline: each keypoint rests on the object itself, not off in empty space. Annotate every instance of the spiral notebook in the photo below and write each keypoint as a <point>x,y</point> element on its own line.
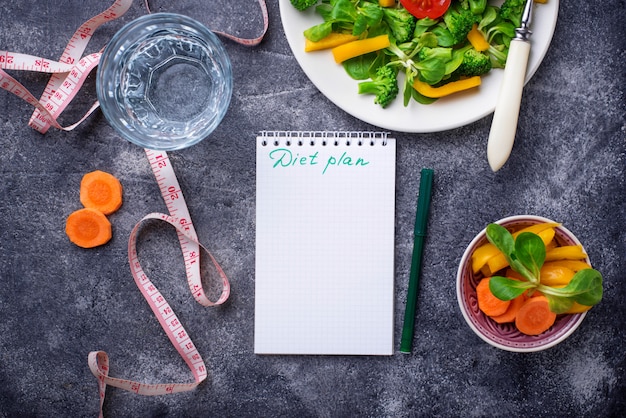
<point>325,216</point>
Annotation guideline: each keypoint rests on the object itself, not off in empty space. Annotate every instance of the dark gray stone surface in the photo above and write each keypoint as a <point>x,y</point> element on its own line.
<point>58,302</point>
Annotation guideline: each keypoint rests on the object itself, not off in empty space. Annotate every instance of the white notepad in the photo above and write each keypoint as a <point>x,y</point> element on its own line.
<point>325,215</point>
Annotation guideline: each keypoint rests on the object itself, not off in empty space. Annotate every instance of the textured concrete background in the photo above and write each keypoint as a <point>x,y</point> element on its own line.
<point>58,302</point>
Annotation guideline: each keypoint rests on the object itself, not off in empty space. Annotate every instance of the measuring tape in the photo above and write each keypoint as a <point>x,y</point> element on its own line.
<point>243,41</point>
<point>70,71</point>
<point>179,218</point>
<point>68,75</point>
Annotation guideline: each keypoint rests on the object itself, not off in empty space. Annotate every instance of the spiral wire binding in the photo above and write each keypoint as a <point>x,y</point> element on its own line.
<point>326,137</point>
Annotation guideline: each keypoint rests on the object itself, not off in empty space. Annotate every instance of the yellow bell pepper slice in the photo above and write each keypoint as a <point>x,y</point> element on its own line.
<point>499,262</point>
<point>536,228</point>
<point>482,254</point>
<point>332,40</point>
<point>353,49</point>
<point>567,252</point>
<point>575,265</point>
<point>555,275</point>
<point>551,245</point>
<point>488,250</point>
<point>477,39</point>
<point>386,3</point>
<point>427,90</point>
<point>577,308</point>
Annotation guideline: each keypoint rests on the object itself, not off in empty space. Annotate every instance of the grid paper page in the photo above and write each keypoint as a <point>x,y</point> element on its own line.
<point>324,246</point>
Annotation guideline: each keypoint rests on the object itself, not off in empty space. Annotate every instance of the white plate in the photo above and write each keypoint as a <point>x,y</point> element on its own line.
<point>446,113</point>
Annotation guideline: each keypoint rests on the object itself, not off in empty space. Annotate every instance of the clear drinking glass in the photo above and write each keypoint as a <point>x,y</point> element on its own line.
<point>164,81</point>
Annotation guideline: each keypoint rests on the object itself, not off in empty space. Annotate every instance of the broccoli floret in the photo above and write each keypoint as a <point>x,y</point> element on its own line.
<point>384,85</point>
<point>303,4</point>
<point>477,7</point>
<point>459,22</point>
<point>512,11</point>
<point>474,63</point>
<point>400,22</point>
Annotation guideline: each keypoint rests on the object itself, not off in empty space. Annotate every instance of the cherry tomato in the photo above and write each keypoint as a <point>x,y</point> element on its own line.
<point>426,8</point>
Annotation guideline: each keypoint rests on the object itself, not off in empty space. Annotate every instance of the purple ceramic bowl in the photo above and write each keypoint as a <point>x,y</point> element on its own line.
<point>506,336</point>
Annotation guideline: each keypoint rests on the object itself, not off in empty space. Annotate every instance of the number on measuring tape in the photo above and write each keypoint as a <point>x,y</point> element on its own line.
<point>179,337</point>
<point>58,93</point>
<point>68,75</point>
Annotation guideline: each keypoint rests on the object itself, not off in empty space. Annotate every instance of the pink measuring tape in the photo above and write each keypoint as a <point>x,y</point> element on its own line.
<point>179,218</point>
<point>68,75</point>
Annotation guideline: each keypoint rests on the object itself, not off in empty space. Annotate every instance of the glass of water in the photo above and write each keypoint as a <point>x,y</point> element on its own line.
<point>164,81</point>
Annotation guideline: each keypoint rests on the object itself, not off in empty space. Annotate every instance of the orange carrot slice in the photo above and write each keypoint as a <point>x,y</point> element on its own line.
<point>487,302</point>
<point>88,228</point>
<point>535,316</point>
<point>101,191</point>
<point>511,313</point>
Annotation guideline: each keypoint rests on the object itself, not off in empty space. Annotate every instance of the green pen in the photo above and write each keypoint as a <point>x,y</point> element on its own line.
<point>421,220</point>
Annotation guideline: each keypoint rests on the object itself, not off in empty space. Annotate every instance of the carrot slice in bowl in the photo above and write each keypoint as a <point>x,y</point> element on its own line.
<point>511,313</point>
<point>487,302</point>
<point>535,316</point>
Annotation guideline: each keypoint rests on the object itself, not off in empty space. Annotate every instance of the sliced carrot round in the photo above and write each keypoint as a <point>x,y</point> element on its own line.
<point>487,302</point>
<point>88,228</point>
<point>511,312</point>
<point>535,316</point>
<point>101,191</point>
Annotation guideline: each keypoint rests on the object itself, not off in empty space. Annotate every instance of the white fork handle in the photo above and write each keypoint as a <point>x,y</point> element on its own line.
<point>504,124</point>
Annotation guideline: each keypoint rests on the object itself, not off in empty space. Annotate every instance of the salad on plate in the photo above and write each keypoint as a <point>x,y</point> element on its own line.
<point>408,51</point>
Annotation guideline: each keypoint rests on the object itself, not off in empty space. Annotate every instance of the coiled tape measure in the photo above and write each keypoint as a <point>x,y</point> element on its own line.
<point>67,77</point>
